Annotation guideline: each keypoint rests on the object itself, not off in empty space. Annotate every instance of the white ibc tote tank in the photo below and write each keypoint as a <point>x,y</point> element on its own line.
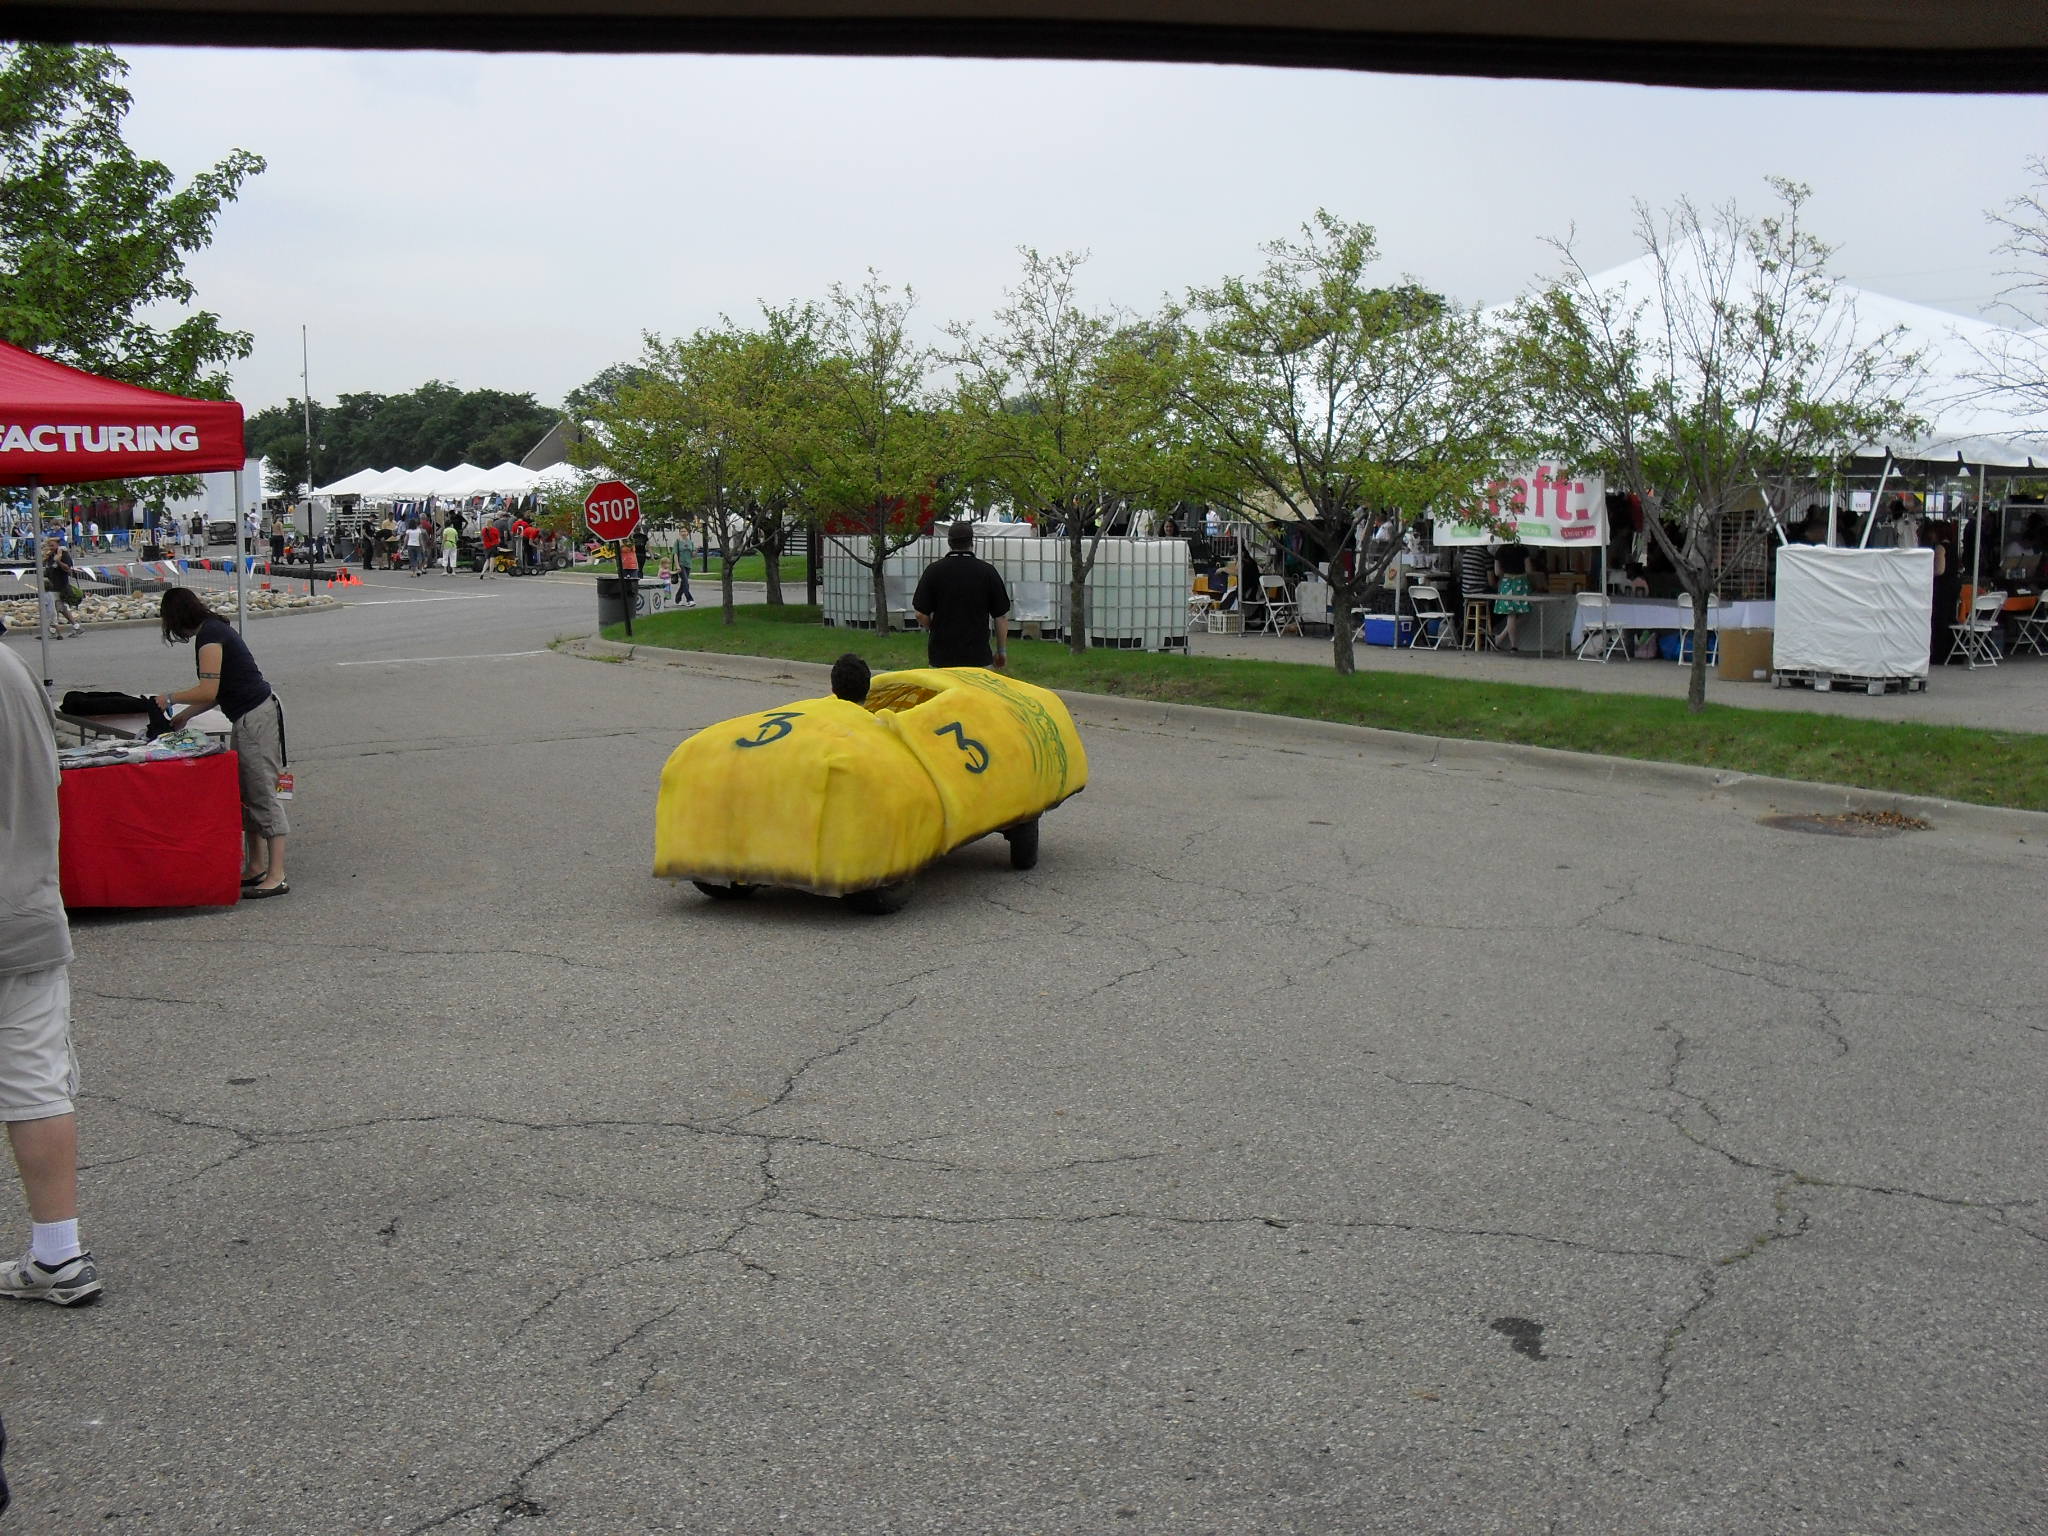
<point>1137,592</point>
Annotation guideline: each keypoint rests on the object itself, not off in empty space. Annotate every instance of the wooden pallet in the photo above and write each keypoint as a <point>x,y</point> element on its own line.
<point>1843,682</point>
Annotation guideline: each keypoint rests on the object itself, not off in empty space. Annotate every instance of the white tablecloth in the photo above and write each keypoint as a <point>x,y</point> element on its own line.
<point>1676,613</point>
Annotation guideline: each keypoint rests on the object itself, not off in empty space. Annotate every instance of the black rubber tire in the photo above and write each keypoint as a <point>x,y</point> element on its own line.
<point>725,892</point>
<point>1024,845</point>
<point>881,900</point>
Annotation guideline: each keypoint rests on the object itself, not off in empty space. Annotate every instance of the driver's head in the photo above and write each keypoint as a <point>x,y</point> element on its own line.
<point>850,677</point>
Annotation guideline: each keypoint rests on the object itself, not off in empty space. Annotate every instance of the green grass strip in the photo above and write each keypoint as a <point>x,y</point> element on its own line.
<point>1944,761</point>
<point>748,568</point>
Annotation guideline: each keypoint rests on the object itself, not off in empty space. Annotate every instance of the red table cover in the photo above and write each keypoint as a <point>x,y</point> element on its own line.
<point>165,834</point>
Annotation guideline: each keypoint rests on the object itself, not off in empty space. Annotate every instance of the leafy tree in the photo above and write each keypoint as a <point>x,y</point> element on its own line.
<point>2013,370</point>
<point>1061,414</point>
<point>1738,378</point>
<point>1306,392</point>
<point>93,238</point>
<point>659,431</point>
<point>701,426</point>
<point>603,389</point>
<point>867,437</point>
<point>758,385</point>
<point>436,423</point>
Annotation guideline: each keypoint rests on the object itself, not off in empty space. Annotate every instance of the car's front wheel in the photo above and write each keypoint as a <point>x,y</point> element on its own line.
<point>881,900</point>
<point>725,892</point>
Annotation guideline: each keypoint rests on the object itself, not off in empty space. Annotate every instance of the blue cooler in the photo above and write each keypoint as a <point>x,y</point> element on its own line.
<point>1384,629</point>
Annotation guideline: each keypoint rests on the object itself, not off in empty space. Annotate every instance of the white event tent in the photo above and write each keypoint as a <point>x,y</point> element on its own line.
<point>1966,426</point>
<point>463,480</point>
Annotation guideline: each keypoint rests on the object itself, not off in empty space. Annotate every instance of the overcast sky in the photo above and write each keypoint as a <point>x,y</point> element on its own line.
<point>517,222</point>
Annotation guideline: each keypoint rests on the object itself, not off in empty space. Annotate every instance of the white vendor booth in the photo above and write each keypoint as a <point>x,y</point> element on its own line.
<point>1137,592</point>
<point>1853,615</point>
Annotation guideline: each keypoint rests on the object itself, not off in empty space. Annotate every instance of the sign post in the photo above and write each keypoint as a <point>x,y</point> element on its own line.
<point>612,511</point>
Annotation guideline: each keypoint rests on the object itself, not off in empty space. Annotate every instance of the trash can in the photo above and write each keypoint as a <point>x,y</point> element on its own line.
<point>613,594</point>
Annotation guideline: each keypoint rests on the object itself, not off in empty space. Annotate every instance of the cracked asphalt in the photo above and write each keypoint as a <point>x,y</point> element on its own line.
<point>1328,1136</point>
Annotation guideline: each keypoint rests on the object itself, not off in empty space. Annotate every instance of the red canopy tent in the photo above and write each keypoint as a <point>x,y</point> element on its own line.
<point>60,425</point>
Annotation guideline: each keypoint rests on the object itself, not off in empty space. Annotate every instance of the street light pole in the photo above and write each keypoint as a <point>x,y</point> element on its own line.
<point>306,399</point>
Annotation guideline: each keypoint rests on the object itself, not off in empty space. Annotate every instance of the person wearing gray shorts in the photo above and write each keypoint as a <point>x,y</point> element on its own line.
<point>38,1072</point>
<point>228,676</point>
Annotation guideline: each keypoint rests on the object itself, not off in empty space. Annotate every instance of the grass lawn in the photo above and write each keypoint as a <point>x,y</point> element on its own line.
<point>1948,762</point>
<point>749,568</point>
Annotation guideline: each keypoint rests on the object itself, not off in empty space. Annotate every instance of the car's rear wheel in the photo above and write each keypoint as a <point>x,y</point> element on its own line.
<point>1024,845</point>
<point>725,892</point>
<point>881,900</point>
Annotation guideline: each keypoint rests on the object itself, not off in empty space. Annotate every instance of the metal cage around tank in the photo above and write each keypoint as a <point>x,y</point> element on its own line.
<point>1136,593</point>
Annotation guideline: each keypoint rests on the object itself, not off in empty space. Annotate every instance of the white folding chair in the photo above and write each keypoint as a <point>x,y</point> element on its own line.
<point>1281,614</point>
<point>1433,621</point>
<point>1713,634</point>
<point>1599,636</point>
<point>2032,630</point>
<point>1975,636</point>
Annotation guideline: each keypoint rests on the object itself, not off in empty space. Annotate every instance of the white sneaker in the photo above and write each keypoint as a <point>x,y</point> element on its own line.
<point>73,1283</point>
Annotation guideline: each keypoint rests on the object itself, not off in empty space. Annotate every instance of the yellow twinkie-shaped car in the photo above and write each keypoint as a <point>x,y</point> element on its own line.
<point>853,799</point>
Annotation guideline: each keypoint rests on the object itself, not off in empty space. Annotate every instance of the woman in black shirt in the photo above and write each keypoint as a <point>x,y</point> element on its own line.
<point>229,677</point>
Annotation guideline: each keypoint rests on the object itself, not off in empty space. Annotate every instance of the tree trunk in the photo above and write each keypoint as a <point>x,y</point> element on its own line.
<point>771,561</point>
<point>1077,598</point>
<point>881,589</point>
<point>1342,597</point>
<point>1696,684</point>
<point>725,567</point>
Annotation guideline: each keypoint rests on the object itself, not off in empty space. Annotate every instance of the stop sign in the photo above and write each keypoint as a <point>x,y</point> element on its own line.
<point>612,510</point>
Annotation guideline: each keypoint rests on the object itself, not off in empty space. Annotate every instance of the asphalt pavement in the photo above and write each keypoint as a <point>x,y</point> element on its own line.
<point>1332,1134</point>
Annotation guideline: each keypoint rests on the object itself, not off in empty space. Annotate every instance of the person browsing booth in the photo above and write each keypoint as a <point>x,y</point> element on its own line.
<point>956,598</point>
<point>230,678</point>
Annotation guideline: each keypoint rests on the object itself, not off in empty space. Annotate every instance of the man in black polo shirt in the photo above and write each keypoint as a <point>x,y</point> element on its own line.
<point>956,597</point>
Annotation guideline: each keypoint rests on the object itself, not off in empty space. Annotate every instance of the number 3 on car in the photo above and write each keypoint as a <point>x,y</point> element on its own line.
<point>854,800</point>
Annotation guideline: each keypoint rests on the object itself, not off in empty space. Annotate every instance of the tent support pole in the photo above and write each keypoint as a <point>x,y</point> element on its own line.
<point>1977,552</point>
<point>1877,501</point>
<point>1772,513</point>
<point>45,612</point>
<point>241,560</point>
<point>1834,487</point>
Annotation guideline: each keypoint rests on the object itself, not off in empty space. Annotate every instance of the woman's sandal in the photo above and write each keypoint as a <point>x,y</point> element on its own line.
<point>256,879</point>
<point>282,888</point>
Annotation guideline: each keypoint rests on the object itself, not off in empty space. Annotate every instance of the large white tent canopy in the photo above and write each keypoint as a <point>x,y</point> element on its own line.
<point>506,479</point>
<point>1965,423</point>
<point>463,480</point>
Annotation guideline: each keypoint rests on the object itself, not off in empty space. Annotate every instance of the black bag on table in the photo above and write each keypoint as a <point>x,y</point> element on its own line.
<point>88,701</point>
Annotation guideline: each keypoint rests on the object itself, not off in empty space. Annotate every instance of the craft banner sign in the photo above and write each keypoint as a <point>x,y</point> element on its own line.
<point>1542,504</point>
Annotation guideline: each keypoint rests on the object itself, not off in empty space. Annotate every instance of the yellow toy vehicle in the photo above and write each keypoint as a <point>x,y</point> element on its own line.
<point>852,800</point>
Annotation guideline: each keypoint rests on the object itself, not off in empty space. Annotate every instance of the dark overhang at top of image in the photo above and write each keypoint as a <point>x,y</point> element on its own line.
<point>1872,45</point>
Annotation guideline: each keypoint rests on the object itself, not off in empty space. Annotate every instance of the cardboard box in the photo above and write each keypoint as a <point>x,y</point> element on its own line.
<point>1746,655</point>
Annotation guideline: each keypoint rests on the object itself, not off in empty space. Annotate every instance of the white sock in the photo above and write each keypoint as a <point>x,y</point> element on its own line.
<point>51,1243</point>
